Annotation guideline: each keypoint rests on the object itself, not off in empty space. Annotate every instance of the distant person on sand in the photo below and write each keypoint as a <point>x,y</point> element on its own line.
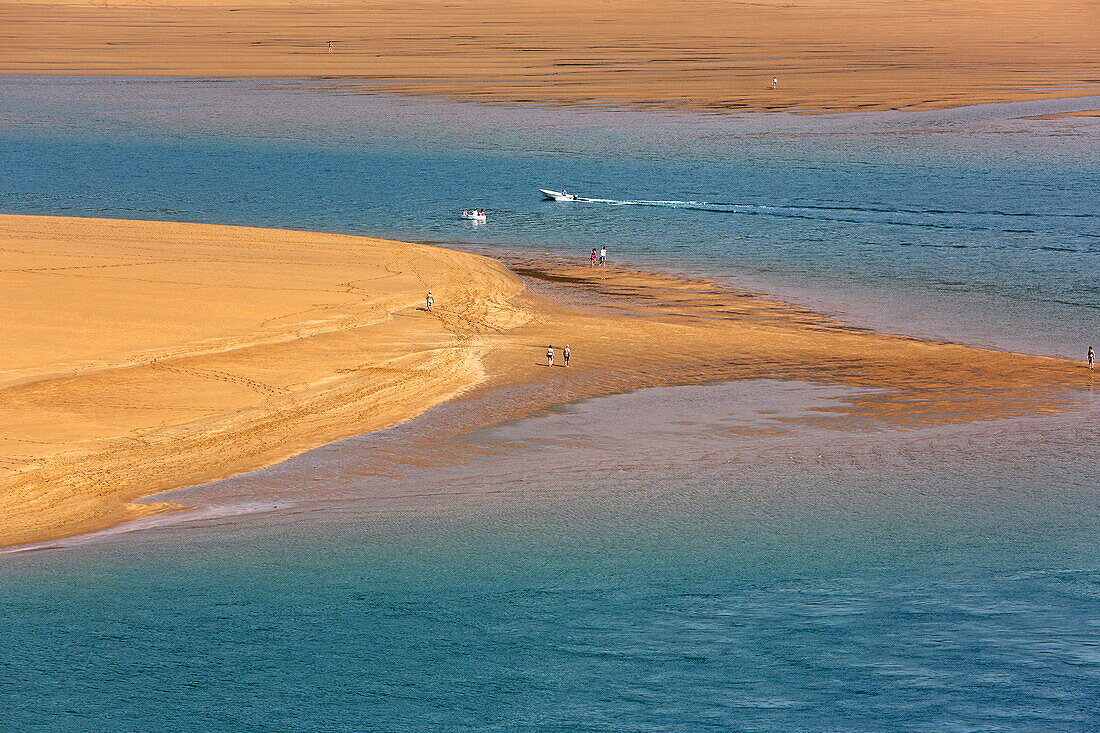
<point>603,255</point>
<point>429,301</point>
<point>565,354</point>
<point>1092,356</point>
<point>330,46</point>
<point>592,258</point>
<point>550,356</point>
<point>775,82</point>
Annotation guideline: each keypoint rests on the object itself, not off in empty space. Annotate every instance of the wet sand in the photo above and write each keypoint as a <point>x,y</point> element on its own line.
<point>703,54</point>
<point>1067,115</point>
<point>146,356</point>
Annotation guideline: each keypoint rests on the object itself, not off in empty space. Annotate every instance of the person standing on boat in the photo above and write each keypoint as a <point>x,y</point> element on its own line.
<point>592,258</point>
<point>603,255</point>
<point>550,355</point>
<point>429,301</point>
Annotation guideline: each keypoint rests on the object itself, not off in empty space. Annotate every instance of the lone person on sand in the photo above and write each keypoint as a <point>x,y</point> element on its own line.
<point>429,301</point>
<point>603,255</point>
<point>1092,356</point>
<point>565,354</point>
<point>775,82</point>
<point>550,356</point>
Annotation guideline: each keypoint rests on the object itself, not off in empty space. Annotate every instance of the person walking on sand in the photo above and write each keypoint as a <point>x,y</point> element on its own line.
<point>592,258</point>
<point>775,82</point>
<point>429,301</point>
<point>565,354</point>
<point>550,356</point>
<point>1092,356</point>
<point>330,47</point>
<point>603,255</point>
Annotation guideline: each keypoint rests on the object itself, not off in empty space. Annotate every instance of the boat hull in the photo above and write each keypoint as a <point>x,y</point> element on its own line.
<point>556,195</point>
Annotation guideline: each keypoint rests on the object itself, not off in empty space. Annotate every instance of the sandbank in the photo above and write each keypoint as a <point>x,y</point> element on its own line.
<point>144,356</point>
<point>838,55</point>
<point>1067,115</point>
<point>147,355</point>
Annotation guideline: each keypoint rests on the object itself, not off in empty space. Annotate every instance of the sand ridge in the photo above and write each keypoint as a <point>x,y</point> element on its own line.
<point>148,355</point>
<point>839,55</point>
<point>144,356</point>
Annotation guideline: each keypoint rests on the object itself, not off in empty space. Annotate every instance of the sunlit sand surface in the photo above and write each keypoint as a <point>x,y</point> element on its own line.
<point>703,54</point>
<point>146,356</point>
<point>150,355</point>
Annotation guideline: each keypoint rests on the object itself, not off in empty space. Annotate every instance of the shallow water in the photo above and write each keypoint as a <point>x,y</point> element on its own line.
<point>968,224</point>
<point>866,581</point>
<point>703,558</point>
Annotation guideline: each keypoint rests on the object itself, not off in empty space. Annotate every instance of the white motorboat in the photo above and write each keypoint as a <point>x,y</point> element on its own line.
<point>558,195</point>
<point>472,215</point>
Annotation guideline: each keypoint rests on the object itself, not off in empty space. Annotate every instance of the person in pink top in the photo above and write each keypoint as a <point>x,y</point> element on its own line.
<point>592,258</point>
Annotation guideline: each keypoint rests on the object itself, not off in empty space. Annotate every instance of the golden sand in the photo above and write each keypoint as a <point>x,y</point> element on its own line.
<point>1067,115</point>
<point>144,356</point>
<point>141,356</point>
<point>708,54</point>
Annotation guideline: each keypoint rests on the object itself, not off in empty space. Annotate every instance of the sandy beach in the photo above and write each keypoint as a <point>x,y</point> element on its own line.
<point>823,456</point>
<point>154,355</point>
<point>703,54</point>
<point>143,356</point>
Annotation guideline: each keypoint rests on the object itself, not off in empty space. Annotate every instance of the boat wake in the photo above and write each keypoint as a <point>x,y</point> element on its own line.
<point>890,216</point>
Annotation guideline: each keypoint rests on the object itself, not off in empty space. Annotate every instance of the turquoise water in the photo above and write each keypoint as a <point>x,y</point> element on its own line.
<point>921,591</point>
<point>973,225</point>
<point>600,571</point>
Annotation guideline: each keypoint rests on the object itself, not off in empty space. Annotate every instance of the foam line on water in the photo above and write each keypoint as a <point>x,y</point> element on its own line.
<point>211,512</point>
<point>742,207</point>
<point>810,212</point>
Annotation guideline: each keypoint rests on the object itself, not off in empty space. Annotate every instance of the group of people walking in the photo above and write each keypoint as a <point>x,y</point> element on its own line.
<point>601,258</point>
<point>565,354</point>
<point>429,303</point>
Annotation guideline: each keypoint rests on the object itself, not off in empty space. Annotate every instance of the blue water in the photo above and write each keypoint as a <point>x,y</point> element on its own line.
<point>974,226</point>
<point>595,577</point>
<point>904,596</point>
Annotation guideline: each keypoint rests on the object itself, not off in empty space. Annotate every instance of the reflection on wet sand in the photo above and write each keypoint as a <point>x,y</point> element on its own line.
<point>343,369</point>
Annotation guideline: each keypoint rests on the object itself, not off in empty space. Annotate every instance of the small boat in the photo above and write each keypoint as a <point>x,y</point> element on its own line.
<point>472,215</point>
<point>558,195</point>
